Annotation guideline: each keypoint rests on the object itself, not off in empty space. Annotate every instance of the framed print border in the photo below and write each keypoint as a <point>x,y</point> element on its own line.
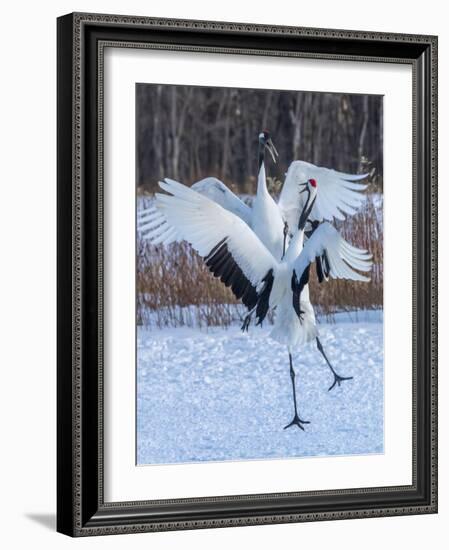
<point>81,42</point>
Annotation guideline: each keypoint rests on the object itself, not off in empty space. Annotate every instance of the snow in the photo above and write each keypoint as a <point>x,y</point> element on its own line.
<point>219,394</point>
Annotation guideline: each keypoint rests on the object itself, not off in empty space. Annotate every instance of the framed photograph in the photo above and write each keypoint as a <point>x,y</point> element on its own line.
<point>247,274</point>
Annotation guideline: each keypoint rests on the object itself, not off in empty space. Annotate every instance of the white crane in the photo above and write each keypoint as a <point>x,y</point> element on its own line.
<point>338,195</point>
<point>233,252</point>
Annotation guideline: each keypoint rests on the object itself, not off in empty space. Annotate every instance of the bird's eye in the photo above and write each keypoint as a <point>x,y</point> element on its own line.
<point>312,182</point>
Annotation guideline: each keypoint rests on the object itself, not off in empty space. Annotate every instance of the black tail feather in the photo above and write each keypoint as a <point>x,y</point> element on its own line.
<point>297,287</point>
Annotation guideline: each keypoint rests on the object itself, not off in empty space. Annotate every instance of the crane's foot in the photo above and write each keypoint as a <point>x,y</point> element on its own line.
<point>246,323</point>
<point>338,380</point>
<point>297,422</point>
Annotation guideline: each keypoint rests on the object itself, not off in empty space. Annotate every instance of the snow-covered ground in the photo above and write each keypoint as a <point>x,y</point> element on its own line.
<point>219,394</point>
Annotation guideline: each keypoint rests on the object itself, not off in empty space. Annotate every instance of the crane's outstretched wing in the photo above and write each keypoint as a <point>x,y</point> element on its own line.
<point>212,188</point>
<point>338,193</point>
<point>152,225</point>
<point>230,249</point>
<point>334,258</point>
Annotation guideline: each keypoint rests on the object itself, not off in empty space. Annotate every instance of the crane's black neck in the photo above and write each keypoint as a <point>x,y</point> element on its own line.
<point>306,212</point>
<point>261,154</point>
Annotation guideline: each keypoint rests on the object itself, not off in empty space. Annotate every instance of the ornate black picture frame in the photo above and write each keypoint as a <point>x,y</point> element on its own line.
<point>81,510</point>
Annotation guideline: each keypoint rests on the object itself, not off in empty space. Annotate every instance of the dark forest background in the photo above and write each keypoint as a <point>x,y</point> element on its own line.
<point>189,132</point>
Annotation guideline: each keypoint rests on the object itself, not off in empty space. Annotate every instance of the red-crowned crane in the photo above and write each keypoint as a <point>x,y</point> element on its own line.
<point>236,254</point>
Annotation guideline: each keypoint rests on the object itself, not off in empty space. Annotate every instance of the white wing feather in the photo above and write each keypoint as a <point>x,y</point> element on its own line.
<point>338,193</point>
<point>204,223</point>
<point>343,258</point>
<point>152,225</point>
<point>216,190</point>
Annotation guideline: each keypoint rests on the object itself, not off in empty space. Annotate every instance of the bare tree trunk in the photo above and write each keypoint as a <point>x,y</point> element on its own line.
<point>174,132</point>
<point>156,136</point>
<point>226,145</point>
<point>363,132</point>
<point>295,118</point>
<point>266,111</point>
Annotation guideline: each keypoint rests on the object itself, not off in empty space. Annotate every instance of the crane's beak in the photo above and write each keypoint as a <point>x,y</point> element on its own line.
<point>272,149</point>
<point>304,186</point>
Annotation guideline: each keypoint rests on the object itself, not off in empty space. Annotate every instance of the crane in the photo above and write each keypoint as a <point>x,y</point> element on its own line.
<point>233,252</point>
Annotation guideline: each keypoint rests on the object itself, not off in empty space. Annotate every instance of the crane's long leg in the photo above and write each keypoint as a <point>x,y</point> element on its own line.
<point>296,420</point>
<point>337,378</point>
<point>247,320</point>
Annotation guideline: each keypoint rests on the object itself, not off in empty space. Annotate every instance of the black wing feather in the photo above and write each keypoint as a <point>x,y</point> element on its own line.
<point>263,303</point>
<point>222,264</point>
<point>319,269</point>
